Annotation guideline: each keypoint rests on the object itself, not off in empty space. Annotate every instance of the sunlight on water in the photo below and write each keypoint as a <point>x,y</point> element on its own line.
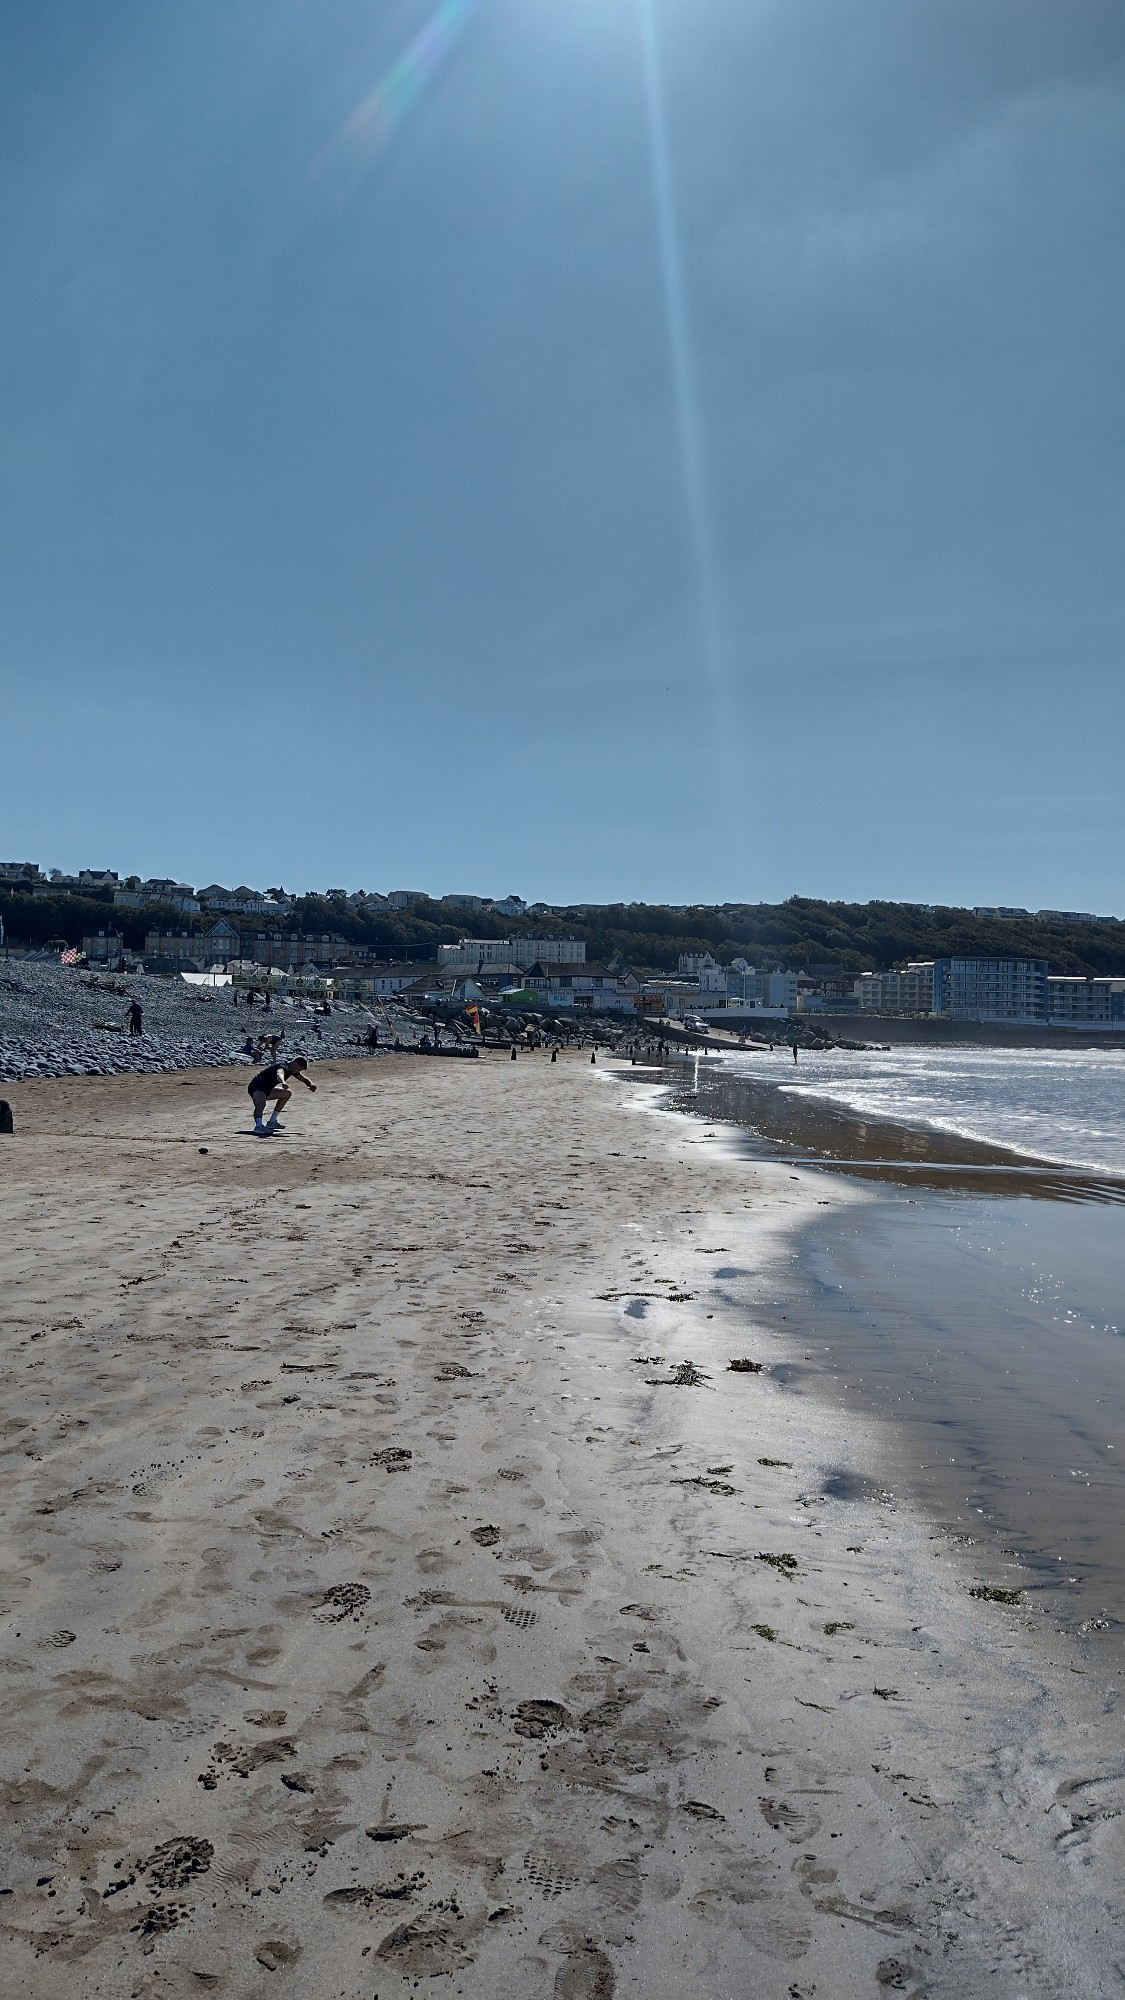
<point>1066,1105</point>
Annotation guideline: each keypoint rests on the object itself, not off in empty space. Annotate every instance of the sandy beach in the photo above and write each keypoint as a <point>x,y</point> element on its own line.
<point>400,1585</point>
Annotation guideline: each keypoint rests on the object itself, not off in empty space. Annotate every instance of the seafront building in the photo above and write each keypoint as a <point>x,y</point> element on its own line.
<point>1078,1002</point>
<point>474,953</point>
<point>1019,990</point>
<point>582,986</point>
<point>991,989</point>
<point>910,991</point>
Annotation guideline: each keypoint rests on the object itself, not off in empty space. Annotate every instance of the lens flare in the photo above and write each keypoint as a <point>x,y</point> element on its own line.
<point>378,116</point>
<point>688,420</point>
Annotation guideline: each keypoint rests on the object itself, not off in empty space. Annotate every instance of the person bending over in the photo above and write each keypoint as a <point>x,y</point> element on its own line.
<point>272,1085</point>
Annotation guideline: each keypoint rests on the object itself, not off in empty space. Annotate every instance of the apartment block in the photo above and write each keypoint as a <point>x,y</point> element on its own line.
<point>910,990</point>
<point>472,953</point>
<point>991,989</point>
<point>1073,1001</point>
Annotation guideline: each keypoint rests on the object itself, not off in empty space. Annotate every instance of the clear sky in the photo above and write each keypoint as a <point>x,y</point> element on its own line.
<point>651,449</point>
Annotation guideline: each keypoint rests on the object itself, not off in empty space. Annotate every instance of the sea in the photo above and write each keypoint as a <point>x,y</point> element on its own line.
<point>1065,1106</point>
<point>968,1287</point>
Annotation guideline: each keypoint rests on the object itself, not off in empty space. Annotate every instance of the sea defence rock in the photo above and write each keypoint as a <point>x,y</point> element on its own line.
<point>62,1021</point>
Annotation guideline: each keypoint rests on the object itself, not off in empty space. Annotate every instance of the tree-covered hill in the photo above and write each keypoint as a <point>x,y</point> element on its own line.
<point>862,937</point>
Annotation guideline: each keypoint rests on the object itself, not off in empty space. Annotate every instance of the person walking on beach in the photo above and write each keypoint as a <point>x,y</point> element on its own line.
<point>273,1083</point>
<point>794,1052</point>
<point>136,1018</point>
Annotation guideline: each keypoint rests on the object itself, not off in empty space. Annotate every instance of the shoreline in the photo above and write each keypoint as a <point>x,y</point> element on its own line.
<point>953,1303</point>
<point>625,1751</point>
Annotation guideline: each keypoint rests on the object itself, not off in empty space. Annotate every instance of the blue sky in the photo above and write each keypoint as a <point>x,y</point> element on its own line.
<point>418,499</point>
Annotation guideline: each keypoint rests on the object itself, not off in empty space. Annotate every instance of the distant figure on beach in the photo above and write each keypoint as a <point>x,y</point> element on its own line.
<point>135,1018</point>
<point>794,1052</point>
<point>554,1055</point>
<point>513,1052</point>
<point>272,1084</point>
<point>593,1055</point>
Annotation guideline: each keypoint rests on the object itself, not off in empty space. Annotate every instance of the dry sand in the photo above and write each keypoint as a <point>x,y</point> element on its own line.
<point>368,1617</point>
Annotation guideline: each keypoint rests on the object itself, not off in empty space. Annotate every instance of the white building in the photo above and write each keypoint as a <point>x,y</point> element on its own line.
<point>585,987</point>
<point>472,953</point>
<point>1074,1001</point>
<point>910,990</point>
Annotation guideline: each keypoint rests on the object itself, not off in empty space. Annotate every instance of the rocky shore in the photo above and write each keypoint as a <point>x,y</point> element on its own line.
<point>65,1021</point>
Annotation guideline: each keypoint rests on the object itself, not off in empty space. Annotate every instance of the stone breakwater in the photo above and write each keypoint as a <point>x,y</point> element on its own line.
<point>62,1021</point>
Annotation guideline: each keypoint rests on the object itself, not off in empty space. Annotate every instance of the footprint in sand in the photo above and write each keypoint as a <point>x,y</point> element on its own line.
<point>796,1822</point>
<point>540,1718</point>
<point>587,1975</point>
<point>173,1864</point>
<point>344,1600</point>
<point>554,1870</point>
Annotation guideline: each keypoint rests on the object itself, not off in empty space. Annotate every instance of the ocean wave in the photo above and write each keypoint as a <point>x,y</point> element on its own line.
<point>1067,1106</point>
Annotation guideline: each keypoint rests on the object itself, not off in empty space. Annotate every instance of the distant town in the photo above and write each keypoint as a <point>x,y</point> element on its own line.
<point>404,944</point>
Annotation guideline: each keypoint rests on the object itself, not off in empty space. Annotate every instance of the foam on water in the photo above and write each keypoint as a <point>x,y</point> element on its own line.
<point>1065,1105</point>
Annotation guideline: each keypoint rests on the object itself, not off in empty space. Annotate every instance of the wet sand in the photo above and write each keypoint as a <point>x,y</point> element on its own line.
<point>973,1297</point>
<point>398,1583</point>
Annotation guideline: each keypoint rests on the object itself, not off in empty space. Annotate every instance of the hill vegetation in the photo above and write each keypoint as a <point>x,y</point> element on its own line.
<point>801,932</point>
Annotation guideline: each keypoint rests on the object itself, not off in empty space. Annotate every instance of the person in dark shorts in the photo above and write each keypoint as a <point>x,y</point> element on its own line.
<point>136,1018</point>
<point>273,1084</point>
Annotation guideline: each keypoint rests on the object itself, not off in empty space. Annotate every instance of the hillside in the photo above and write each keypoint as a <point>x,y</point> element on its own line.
<point>862,937</point>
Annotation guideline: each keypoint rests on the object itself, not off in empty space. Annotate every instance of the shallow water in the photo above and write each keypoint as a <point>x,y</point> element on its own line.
<point>974,1298</point>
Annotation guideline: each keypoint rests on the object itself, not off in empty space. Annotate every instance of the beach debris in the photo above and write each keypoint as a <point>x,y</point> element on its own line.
<point>540,1718</point>
<point>649,1360</point>
<point>785,1462</point>
<point>742,1366</point>
<point>685,1375</point>
<point>835,1625</point>
<point>764,1632</point>
<point>484,1537</point>
<point>783,1564</point>
<point>699,1809</point>
<point>887,1694</point>
<point>394,1459</point>
<point>989,1594</point>
<point>394,1830</point>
